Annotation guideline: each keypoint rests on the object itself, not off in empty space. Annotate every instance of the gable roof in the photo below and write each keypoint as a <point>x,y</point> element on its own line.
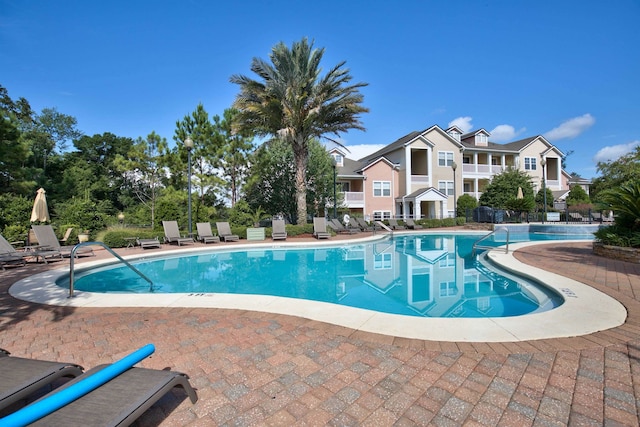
<point>418,194</point>
<point>349,169</point>
<point>412,136</point>
<point>378,160</point>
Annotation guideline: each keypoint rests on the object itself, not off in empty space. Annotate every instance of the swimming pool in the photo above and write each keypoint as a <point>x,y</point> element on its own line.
<point>424,275</point>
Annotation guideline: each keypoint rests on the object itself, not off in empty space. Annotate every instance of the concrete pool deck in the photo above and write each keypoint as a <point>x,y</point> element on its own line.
<point>585,310</point>
<point>255,368</point>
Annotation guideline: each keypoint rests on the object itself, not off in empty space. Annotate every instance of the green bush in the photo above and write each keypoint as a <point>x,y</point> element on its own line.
<point>616,235</point>
<point>116,238</point>
<point>465,202</point>
<point>15,233</point>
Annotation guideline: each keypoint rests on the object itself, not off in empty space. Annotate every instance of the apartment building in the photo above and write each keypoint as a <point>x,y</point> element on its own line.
<point>421,174</point>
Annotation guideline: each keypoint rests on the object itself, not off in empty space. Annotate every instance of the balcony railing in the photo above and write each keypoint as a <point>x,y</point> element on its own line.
<point>420,179</point>
<point>473,168</point>
<point>354,199</point>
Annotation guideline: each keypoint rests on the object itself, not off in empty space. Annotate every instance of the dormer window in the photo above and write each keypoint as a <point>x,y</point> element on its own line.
<point>481,139</point>
<point>455,135</point>
<point>338,158</point>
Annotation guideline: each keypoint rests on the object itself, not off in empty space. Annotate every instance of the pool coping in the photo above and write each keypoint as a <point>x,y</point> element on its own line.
<point>585,310</point>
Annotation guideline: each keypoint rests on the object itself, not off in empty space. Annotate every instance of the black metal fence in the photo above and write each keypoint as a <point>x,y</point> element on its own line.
<point>491,215</point>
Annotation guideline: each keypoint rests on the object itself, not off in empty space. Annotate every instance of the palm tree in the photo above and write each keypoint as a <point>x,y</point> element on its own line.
<point>625,201</point>
<point>293,102</point>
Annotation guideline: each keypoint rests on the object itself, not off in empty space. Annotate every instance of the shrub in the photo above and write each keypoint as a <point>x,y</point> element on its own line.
<point>616,235</point>
<point>116,238</point>
<point>465,202</point>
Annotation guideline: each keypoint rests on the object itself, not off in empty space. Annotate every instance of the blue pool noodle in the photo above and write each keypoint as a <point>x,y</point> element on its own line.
<point>49,404</point>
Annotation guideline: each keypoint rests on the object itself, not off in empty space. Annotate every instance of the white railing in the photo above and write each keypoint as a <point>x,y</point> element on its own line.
<point>473,168</point>
<point>419,179</point>
<point>353,199</point>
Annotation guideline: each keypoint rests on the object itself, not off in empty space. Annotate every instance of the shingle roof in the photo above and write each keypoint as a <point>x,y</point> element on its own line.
<point>391,147</point>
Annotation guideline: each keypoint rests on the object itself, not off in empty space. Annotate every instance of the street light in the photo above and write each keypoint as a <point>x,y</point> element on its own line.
<point>335,200</point>
<point>454,166</point>
<point>121,219</point>
<point>188,144</point>
<point>543,162</point>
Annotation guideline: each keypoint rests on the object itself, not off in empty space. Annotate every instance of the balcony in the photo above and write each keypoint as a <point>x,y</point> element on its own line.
<point>353,199</point>
<point>471,169</point>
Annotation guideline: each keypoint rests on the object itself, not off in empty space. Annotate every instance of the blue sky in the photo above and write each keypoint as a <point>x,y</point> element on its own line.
<point>567,69</point>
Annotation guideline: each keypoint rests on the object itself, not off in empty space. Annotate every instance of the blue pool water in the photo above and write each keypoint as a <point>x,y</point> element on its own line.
<point>428,275</point>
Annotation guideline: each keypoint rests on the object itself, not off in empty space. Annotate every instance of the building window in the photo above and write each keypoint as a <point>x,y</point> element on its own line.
<point>446,187</point>
<point>339,159</point>
<point>481,138</point>
<point>448,261</point>
<point>455,135</point>
<point>445,158</point>
<point>530,163</point>
<point>448,289</point>
<point>381,215</point>
<point>381,188</point>
<point>382,261</point>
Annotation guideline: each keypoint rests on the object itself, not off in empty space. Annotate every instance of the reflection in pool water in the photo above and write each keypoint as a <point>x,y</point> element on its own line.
<point>430,275</point>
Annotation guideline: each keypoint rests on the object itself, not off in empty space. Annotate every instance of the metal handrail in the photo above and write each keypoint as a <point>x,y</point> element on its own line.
<point>384,226</point>
<point>79,245</point>
<point>477,246</point>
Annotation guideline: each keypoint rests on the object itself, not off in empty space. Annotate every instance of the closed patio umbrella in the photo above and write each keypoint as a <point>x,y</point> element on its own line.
<point>520,195</point>
<point>40,211</point>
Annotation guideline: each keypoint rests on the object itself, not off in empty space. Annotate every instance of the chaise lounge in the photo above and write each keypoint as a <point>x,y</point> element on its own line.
<point>279,231</point>
<point>47,239</point>
<point>23,377</point>
<point>412,225</point>
<point>205,235</point>
<point>109,395</point>
<point>320,228</point>
<point>172,233</point>
<point>10,255</point>
<point>224,231</point>
<point>395,226</point>
<point>148,243</point>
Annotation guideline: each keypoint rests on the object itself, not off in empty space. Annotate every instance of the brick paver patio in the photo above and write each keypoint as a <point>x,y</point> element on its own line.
<point>254,368</point>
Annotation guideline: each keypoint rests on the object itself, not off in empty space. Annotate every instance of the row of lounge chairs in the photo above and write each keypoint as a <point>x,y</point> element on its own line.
<point>355,225</point>
<point>118,401</point>
<point>206,234</point>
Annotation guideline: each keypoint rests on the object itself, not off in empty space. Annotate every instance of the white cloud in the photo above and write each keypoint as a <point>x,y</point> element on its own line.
<point>356,152</point>
<point>504,133</point>
<point>571,128</point>
<point>464,123</point>
<point>614,152</point>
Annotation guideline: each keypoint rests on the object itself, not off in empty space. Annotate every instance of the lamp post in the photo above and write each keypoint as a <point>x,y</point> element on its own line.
<point>121,219</point>
<point>335,200</point>
<point>188,144</point>
<point>454,166</point>
<point>543,162</point>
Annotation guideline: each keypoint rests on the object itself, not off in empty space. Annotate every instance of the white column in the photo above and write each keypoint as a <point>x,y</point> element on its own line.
<point>407,163</point>
<point>430,166</point>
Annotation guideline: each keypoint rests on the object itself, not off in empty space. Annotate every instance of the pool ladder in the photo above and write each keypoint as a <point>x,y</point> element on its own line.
<point>477,245</point>
<point>124,261</point>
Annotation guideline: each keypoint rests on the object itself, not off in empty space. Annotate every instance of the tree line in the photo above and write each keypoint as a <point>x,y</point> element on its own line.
<point>91,180</point>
